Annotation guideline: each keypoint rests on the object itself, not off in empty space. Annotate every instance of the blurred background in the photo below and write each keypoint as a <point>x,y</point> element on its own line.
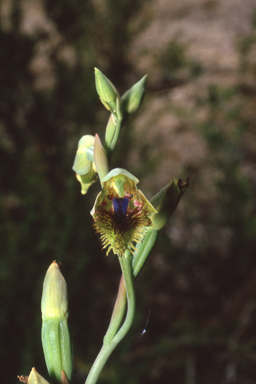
<point>198,288</point>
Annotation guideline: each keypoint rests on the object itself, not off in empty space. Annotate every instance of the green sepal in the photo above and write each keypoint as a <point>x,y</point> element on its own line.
<point>57,348</point>
<point>120,172</point>
<point>51,347</point>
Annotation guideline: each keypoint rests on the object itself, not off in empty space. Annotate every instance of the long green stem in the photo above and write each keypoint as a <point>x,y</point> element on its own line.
<point>118,312</point>
<point>138,261</point>
<point>110,345</point>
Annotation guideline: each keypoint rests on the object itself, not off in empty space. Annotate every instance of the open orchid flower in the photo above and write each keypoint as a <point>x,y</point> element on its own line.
<point>121,212</point>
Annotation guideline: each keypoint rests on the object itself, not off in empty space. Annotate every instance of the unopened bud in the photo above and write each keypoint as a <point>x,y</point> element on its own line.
<point>106,91</point>
<point>55,333</point>
<point>113,128</point>
<point>100,158</point>
<point>132,99</point>
<point>166,201</point>
<point>112,133</point>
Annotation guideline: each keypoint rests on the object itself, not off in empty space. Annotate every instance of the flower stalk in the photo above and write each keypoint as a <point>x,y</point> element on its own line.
<point>118,312</point>
<point>111,343</point>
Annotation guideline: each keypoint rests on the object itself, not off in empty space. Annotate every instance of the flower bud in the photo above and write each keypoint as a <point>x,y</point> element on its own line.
<point>83,165</point>
<point>55,333</point>
<point>106,91</point>
<point>35,378</point>
<point>166,201</point>
<point>100,158</point>
<point>111,134</point>
<point>132,99</point>
<point>113,128</point>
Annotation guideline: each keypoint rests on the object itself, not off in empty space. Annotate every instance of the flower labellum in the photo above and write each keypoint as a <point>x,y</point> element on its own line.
<point>121,212</point>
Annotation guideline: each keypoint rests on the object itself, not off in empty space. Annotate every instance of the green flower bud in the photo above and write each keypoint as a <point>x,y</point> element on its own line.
<point>106,91</point>
<point>83,165</point>
<point>113,128</point>
<point>55,333</point>
<point>121,212</point>
<point>100,158</point>
<point>111,134</point>
<point>132,99</point>
<point>35,378</point>
<point>166,201</point>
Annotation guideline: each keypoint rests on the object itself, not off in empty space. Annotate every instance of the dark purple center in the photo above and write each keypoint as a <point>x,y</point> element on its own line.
<point>120,206</point>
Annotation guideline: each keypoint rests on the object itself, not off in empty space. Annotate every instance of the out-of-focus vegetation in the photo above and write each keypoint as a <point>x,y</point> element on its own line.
<point>199,284</point>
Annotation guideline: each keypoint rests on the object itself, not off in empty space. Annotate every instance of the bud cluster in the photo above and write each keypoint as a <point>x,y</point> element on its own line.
<point>87,164</point>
